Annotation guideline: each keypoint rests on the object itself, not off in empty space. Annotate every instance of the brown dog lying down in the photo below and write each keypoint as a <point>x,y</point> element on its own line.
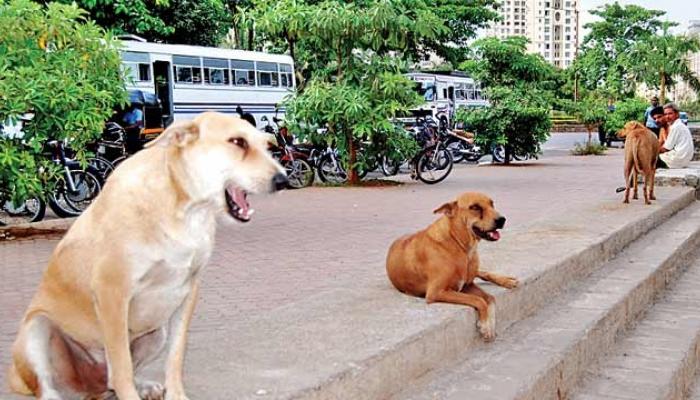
<point>441,261</point>
<point>641,151</point>
<point>121,286</point>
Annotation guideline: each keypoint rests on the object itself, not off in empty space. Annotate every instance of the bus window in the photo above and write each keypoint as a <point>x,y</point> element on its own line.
<point>267,74</point>
<point>137,66</point>
<point>187,69</point>
<point>216,71</point>
<point>243,72</point>
<point>426,90</point>
<point>286,76</point>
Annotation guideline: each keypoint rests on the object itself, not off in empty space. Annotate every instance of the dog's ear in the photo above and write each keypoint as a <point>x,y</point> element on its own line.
<point>178,134</point>
<point>448,209</point>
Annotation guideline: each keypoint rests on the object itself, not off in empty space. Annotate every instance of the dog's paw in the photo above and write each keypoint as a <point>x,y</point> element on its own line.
<point>149,390</point>
<point>510,282</point>
<point>625,201</point>
<point>487,328</point>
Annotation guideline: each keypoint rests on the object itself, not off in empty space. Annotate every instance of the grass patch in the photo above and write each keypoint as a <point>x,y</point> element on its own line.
<point>587,149</point>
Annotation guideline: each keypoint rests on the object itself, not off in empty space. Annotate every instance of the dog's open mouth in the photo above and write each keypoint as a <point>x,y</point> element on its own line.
<point>237,202</point>
<point>492,235</point>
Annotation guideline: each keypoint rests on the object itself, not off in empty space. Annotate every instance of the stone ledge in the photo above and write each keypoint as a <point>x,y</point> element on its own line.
<point>679,177</point>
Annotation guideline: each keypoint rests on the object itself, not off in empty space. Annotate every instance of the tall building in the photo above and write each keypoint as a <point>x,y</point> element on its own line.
<point>551,25</point>
<point>682,92</point>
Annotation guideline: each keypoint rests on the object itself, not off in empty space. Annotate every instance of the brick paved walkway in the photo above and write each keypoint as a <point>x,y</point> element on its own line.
<point>317,239</point>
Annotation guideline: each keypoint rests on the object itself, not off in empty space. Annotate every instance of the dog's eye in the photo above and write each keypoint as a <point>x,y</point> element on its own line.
<point>240,142</point>
<point>475,207</point>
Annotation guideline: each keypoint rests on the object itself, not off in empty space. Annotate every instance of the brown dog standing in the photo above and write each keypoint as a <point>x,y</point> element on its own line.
<point>441,261</point>
<point>641,151</point>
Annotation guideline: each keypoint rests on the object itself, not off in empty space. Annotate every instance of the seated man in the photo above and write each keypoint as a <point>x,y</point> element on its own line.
<point>677,149</point>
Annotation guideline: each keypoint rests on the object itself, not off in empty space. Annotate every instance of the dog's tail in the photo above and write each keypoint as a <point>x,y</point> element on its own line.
<point>635,157</point>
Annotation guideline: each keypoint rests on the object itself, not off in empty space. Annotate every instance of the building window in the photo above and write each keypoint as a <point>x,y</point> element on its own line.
<point>216,71</point>
<point>243,72</point>
<point>267,74</point>
<point>546,46</point>
<point>187,69</point>
<point>137,66</point>
<point>546,13</point>
<point>568,37</point>
<point>568,20</point>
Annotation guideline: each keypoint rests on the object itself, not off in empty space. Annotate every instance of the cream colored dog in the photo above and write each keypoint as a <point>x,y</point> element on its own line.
<point>122,284</point>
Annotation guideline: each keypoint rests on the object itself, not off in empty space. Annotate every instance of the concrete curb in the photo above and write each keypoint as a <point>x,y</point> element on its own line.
<point>42,228</point>
<point>391,339</point>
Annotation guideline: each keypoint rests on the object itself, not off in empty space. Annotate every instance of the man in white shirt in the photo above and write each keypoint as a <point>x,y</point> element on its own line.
<point>678,148</point>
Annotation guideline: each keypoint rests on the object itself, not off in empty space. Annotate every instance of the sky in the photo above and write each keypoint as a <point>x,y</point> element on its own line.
<point>680,11</point>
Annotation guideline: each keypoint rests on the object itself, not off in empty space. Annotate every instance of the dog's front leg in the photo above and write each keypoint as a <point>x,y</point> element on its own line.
<point>112,299</point>
<point>174,389</point>
<point>507,282</point>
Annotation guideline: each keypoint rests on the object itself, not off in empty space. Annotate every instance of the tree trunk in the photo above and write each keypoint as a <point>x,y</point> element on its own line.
<point>251,37</point>
<point>506,158</point>
<point>662,94</point>
<point>589,128</point>
<point>353,179</point>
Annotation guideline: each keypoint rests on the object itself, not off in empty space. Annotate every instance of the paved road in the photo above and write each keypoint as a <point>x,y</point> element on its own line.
<point>317,239</point>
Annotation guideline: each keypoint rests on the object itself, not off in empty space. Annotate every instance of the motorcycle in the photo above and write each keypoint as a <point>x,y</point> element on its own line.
<point>300,173</point>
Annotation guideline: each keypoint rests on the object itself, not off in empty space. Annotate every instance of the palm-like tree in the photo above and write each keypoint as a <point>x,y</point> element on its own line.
<point>662,60</point>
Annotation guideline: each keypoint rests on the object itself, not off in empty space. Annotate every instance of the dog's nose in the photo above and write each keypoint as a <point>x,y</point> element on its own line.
<point>500,222</point>
<point>279,182</point>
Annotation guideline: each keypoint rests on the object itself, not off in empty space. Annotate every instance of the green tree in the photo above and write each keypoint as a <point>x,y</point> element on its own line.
<point>283,26</point>
<point>631,109</point>
<point>172,21</point>
<point>662,59</point>
<point>590,111</point>
<point>65,70</point>
<point>519,87</point>
<point>601,64</point>
<point>356,86</point>
<point>462,19</point>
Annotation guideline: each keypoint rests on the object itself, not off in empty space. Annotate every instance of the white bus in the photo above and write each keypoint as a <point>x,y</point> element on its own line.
<point>189,80</point>
<point>441,90</point>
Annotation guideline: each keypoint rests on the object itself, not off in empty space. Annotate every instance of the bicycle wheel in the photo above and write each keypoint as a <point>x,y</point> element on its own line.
<point>299,173</point>
<point>434,164</point>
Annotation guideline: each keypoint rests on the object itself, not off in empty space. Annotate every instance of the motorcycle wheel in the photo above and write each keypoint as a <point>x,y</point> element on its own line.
<point>456,149</point>
<point>331,172</point>
<point>390,167</point>
<point>32,209</point>
<point>299,173</point>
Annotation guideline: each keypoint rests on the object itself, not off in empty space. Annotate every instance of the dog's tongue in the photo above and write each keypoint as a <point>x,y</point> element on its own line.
<point>494,235</point>
<point>241,199</point>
